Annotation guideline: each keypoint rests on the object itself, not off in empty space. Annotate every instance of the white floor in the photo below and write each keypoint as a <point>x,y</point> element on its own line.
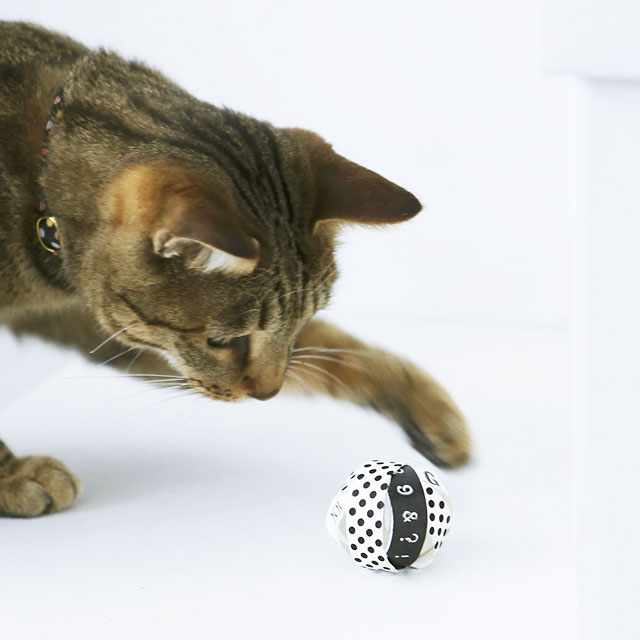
<point>207,520</point>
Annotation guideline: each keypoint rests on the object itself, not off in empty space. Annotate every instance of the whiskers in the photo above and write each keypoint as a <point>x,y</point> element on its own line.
<point>317,373</point>
<point>159,382</point>
<point>118,355</point>
<point>151,377</point>
<point>133,360</point>
<point>307,362</point>
<point>302,357</point>
<point>185,392</point>
<point>112,336</point>
<point>331,350</point>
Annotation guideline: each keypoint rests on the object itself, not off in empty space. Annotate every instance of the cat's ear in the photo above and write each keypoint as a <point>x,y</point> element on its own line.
<point>346,191</point>
<point>205,235</point>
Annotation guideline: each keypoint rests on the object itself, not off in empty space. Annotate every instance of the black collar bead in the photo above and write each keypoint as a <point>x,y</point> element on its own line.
<point>46,225</point>
<point>47,230</point>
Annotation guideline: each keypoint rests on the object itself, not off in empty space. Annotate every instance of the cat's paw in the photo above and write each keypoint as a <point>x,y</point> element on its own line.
<point>36,485</point>
<point>440,436</point>
<point>431,419</point>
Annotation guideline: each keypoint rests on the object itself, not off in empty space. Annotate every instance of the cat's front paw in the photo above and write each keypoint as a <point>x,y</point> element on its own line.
<point>441,435</point>
<point>36,485</point>
<point>431,419</point>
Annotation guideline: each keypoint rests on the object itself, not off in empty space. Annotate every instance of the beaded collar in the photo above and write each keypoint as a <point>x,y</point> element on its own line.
<point>46,226</point>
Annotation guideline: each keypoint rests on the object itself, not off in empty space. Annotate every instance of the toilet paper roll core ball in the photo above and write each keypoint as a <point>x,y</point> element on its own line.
<point>390,516</point>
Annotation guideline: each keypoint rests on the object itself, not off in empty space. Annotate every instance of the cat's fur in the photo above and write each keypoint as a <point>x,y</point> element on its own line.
<point>201,236</point>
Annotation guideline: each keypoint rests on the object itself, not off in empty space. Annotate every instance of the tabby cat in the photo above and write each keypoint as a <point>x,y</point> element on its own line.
<point>198,237</point>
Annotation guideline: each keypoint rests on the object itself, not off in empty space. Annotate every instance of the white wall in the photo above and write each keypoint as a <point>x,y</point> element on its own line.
<point>596,42</point>
<point>593,38</point>
<point>446,98</point>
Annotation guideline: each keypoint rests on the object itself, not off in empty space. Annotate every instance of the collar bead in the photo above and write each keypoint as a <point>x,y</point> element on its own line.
<point>47,226</point>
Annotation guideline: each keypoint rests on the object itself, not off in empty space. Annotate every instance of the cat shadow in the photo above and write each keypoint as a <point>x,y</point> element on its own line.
<point>119,478</point>
<point>113,479</point>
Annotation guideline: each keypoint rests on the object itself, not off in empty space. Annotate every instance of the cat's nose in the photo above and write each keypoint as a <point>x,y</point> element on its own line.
<point>264,396</point>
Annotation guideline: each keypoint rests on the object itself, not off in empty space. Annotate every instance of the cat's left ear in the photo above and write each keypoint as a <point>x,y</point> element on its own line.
<point>348,192</point>
<point>186,217</point>
<point>205,235</point>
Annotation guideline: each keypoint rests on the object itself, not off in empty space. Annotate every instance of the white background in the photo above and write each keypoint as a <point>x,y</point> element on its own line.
<point>212,523</point>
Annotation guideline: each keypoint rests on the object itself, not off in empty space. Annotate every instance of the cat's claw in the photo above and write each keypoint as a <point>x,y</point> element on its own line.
<point>35,486</point>
<point>446,445</point>
<point>431,419</point>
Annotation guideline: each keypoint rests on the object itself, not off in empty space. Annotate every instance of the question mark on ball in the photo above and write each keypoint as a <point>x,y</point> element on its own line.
<point>414,538</point>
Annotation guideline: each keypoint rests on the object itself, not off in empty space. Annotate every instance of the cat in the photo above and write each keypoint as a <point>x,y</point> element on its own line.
<point>134,215</point>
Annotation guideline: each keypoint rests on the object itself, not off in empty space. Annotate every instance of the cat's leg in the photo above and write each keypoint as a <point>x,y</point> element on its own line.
<point>37,485</point>
<point>34,485</point>
<point>328,360</point>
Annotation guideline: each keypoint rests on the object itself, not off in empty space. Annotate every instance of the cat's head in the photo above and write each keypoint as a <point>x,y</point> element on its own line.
<point>219,265</point>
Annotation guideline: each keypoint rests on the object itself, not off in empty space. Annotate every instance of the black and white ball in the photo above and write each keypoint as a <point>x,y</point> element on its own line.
<point>391,516</point>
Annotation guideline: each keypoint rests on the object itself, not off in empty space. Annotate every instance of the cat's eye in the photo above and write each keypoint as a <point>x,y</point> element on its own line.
<point>217,344</point>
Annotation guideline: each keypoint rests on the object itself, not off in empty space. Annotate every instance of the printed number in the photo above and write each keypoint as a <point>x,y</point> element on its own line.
<point>405,489</point>
<point>431,478</point>
<point>405,556</point>
<point>409,516</point>
<point>412,539</point>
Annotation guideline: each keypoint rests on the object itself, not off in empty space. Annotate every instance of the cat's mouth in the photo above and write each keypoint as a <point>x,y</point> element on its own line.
<point>229,394</point>
<point>215,391</point>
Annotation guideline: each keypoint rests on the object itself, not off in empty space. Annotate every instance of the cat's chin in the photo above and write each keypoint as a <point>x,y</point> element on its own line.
<point>229,399</point>
<point>214,392</point>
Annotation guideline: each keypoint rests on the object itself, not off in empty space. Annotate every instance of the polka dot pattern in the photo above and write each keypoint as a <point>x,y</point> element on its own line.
<point>438,512</point>
<point>366,492</point>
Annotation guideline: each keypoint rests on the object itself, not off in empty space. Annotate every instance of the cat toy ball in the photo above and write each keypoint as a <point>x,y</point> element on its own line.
<point>390,516</point>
